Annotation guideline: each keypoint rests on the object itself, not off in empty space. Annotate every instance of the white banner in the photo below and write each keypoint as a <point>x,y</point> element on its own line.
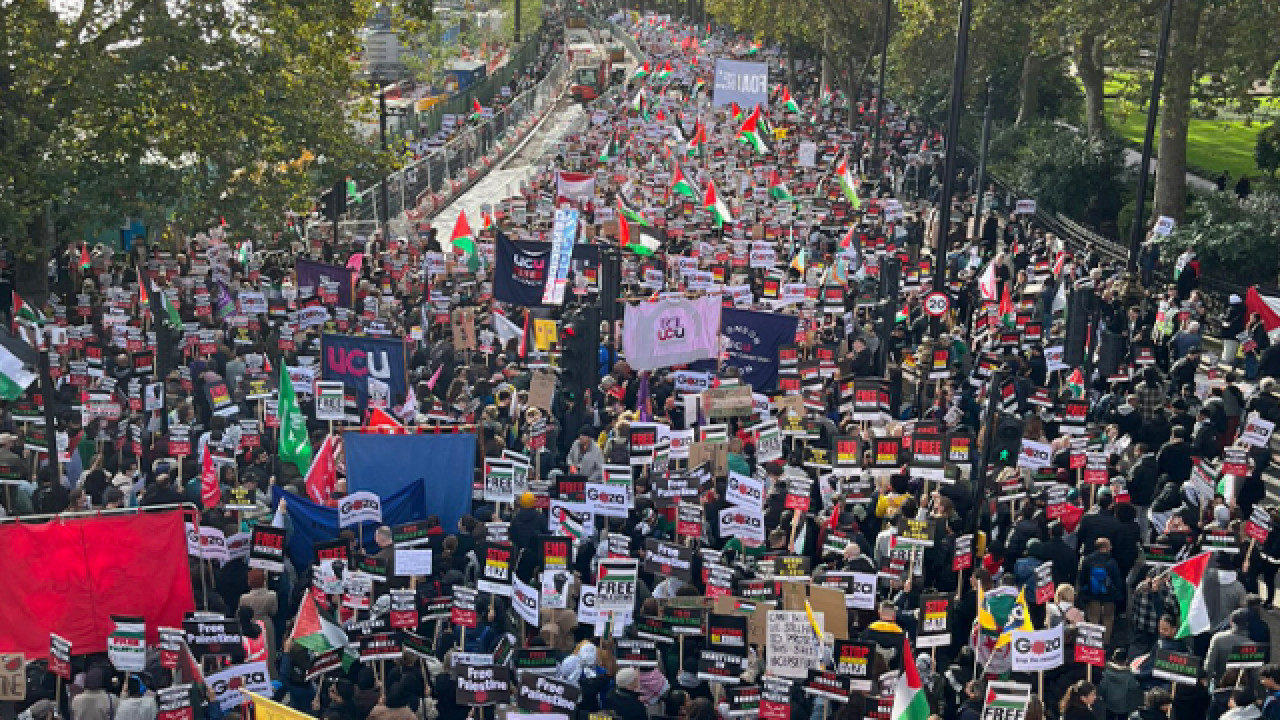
<point>359,507</point>
<point>1034,455</point>
<point>745,491</point>
<point>674,331</point>
<point>575,186</point>
<point>229,686</point>
<point>743,523</point>
<point>1037,650</point>
<point>608,500</point>
<point>525,599</point>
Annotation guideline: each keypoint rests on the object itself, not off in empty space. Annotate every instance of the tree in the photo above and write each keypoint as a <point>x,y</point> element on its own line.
<point>1266,153</point>
<point>1217,49</point>
<point>171,111</point>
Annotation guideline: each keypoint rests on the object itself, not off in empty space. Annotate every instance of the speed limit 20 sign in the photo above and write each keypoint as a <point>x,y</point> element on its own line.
<point>936,304</point>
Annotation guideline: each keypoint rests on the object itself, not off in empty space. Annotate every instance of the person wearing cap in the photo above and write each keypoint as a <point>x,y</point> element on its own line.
<point>624,700</point>
<point>585,457</point>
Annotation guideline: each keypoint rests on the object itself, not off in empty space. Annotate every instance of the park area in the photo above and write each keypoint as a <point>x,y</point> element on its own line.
<point>1214,144</point>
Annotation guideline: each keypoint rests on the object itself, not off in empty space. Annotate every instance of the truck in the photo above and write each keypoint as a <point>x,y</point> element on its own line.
<point>590,74</point>
<point>462,74</point>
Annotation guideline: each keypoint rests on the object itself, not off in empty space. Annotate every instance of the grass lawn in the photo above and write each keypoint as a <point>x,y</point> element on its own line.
<point>1212,145</point>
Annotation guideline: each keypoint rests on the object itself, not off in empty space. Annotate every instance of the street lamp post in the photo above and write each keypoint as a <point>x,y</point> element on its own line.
<point>1153,109</point>
<point>952,140</point>
<point>884,56</point>
<point>982,158</point>
<point>384,207</point>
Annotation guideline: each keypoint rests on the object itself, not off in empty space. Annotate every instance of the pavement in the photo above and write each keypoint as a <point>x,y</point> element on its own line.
<point>1133,159</point>
<point>504,181</point>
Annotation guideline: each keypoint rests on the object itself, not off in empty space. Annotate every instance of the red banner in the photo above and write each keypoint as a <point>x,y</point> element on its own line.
<point>69,576</point>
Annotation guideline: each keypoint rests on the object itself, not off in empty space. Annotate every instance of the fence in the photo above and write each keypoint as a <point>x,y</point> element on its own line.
<point>427,184</point>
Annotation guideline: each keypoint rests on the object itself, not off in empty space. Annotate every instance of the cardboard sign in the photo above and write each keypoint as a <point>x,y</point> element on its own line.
<point>1176,667</point>
<point>1089,646</point>
<point>935,620</point>
<point>266,548</point>
<point>853,660</point>
<point>791,648</point>
<point>358,508</point>
<point>1038,650</point>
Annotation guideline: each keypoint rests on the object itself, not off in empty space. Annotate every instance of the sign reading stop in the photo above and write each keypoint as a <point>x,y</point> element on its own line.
<point>936,304</point>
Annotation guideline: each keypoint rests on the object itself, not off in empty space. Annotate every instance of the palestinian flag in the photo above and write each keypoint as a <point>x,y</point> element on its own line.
<point>462,240</point>
<point>641,72</point>
<point>848,184</point>
<point>903,314</point>
<point>1075,383</point>
<point>751,134</point>
<point>788,104</point>
<point>1187,579</point>
<point>610,149</point>
<point>22,312</point>
<point>778,189</point>
<point>698,140</point>
<point>681,186</point>
<point>630,212</point>
<point>14,376</point>
<point>754,47</point>
<point>734,111</point>
<point>827,95</point>
<point>638,104</point>
<point>697,87</point>
<point>640,245</point>
<point>162,307</point>
<point>486,221</point>
<point>719,211</point>
<point>665,72</point>
<point>477,111</point>
<point>85,260</point>
<point>1005,309</point>
<point>314,631</point>
<point>909,701</point>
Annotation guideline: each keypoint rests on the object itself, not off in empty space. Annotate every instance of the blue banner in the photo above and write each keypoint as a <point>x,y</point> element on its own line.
<point>311,272</point>
<point>754,341</point>
<point>384,464</point>
<point>746,83</point>
<point>353,360</point>
<point>311,523</point>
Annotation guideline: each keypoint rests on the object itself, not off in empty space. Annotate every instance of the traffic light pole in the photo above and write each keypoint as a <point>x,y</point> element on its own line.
<point>989,440</point>
<point>384,203</point>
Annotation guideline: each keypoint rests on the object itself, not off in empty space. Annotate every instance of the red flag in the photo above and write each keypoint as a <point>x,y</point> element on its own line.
<point>85,261</point>
<point>210,489</point>
<point>379,420</point>
<point>322,477</point>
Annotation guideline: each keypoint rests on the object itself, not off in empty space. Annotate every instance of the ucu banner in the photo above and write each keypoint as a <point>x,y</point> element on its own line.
<point>353,360</point>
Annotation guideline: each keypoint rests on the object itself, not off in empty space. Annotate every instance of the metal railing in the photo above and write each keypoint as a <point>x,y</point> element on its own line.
<point>426,185</point>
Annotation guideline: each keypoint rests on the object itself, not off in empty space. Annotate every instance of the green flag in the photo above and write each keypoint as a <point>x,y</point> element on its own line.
<point>295,446</point>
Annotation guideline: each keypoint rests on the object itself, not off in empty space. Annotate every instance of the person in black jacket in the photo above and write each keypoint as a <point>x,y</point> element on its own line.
<point>1174,459</point>
<point>1060,555</point>
<point>1100,524</point>
<point>623,700</point>
<point>1077,704</point>
<point>1142,482</point>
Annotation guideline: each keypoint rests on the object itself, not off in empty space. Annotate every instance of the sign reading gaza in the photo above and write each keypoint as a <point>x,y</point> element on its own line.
<point>746,83</point>
<point>353,360</point>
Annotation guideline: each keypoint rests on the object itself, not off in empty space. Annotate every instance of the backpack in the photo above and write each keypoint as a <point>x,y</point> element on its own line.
<point>1099,582</point>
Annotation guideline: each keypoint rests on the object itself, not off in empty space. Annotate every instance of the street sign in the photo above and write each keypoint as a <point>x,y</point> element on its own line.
<point>936,304</point>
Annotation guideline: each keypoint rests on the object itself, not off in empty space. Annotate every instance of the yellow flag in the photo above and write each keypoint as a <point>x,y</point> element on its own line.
<point>986,620</point>
<point>1019,620</point>
<point>264,709</point>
